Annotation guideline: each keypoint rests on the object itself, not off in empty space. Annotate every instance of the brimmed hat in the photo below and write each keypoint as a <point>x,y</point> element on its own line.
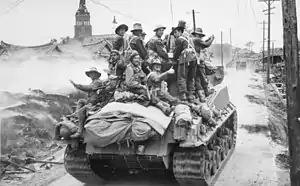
<point>158,27</point>
<point>133,55</point>
<point>181,26</point>
<point>137,26</point>
<point>199,31</point>
<point>93,69</point>
<point>120,27</point>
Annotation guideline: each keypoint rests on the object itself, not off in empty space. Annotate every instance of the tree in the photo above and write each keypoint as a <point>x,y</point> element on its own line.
<point>291,58</point>
<point>249,45</point>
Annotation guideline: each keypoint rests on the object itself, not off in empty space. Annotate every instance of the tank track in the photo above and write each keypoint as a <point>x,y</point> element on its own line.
<point>201,166</point>
<point>78,165</point>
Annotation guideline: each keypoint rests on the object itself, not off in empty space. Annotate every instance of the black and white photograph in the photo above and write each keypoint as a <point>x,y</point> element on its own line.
<point>149,93</point>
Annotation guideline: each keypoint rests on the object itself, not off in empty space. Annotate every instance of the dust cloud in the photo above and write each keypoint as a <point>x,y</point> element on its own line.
<point>49,74</point>
<point>216,50</point>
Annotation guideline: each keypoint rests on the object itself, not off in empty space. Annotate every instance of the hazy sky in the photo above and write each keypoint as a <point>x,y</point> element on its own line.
<point>36,21</point>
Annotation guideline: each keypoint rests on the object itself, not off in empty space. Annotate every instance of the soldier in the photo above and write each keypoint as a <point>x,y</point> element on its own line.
<point>169,41</point>
<point>120,43</point>
<point>116,65</point>
<point>184,55</point>
<point>201,82</point>
<point>134,76</point>
<point>185,32</point>
<point>158,94</point>
<point>156,48</point>
<point>136,44</point>
<point>93,100</point>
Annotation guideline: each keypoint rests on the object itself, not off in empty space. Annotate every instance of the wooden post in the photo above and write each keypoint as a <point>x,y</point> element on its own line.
<point>194,21</point>
<point>222,61</point>
<point>269,39</point>
<point>263,60</point>
<point>292,86</point>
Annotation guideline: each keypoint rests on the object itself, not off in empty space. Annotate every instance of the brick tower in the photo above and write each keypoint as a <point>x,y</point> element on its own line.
<point>83,26</point>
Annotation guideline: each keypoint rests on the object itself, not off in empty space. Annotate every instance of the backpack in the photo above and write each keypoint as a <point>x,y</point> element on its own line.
<point>189,53</point>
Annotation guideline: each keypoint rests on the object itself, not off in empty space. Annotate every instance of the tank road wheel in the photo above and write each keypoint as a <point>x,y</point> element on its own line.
<point>77,164</point>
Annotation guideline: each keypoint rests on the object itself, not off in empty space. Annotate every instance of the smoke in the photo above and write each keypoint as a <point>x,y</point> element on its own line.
<point>216,50</point>
<point>51,74</point>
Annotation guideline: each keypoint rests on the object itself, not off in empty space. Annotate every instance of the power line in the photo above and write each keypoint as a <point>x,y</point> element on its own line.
<point>119,12</point>
<point>15,5</point>
<point>253,12</point>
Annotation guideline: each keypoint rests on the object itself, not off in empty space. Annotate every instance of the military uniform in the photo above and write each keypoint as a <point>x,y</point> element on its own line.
<point>154,82</point>
<point>116,67</point>
<point>134,77</point>
<point>186,68</point>
<point>93,102</point>
<point>201,82</point>
<point>120,43</point>
<point>159,93</point>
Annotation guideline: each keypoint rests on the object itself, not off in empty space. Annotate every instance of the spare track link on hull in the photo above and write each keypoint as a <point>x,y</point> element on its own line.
<point>202,165</point>
<point>77,164</point>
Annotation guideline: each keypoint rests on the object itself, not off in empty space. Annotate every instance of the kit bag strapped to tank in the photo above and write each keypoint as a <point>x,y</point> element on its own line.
<point>209,68</point>
<point>189,53</point>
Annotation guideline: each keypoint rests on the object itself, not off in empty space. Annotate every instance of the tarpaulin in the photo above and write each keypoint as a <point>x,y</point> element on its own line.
<point>118,121</point>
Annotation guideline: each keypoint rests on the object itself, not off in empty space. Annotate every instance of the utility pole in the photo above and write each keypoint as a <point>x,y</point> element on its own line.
<point>230,41</point>
<point>263,40</point>
<point>269,38</point>
<point>272,64</point>
<point>291,49</point>
<point>194,19</point>
<point>269,35</point>
<point>222,49</point>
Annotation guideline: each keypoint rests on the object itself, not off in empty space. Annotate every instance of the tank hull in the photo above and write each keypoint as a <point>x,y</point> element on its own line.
<point>199,165</point>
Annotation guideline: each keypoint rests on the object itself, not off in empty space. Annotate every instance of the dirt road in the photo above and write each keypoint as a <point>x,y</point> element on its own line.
<point>253,162</point>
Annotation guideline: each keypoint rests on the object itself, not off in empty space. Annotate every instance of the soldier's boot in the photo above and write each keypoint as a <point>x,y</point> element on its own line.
<point>200,96</point>
<point>81,121</point>
<point>208,92</point>
<point>191,98</point>
<point>166,110</point>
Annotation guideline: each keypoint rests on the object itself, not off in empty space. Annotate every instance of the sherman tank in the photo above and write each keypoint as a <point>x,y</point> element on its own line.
<point>133,138</point>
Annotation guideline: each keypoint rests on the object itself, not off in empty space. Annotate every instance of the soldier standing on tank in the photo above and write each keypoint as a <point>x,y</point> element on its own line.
<point>201,82</point>
<point>93,98</point>
<point>155,46</point>
<point>159,95</point>
<point>120,43</point>
<point>134,76</point>
<point>186,60</point>
<point>136,44</point>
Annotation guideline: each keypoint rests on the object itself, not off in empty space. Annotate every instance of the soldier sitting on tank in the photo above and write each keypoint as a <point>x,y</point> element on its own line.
<point>159,95</point>
<point>135,77</point>
<point>156,48</point>
<point>94,99</point>
<point>116,66</point>
<point>119,43</point>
